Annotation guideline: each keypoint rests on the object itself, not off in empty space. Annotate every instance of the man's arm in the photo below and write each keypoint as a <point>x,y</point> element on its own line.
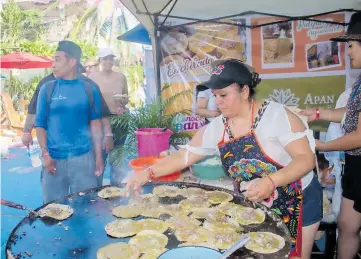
<point>29,123</point>
<point>41,125</point>
<point>30,118</point>
<point>41,122</point>
<point>96,131</point>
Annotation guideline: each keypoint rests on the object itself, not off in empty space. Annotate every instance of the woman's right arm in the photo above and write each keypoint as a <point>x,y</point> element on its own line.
<point>172,163</point>
<point>331,115</point>
<point>201,108</point>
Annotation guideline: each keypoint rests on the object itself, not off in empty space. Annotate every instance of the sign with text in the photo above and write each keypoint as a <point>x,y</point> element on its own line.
<point>298,64</point>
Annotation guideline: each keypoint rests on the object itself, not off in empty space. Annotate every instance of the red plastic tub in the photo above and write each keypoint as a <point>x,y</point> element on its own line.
<point>141,163</point>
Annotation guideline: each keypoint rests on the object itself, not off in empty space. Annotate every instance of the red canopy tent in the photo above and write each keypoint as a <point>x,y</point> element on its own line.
<point>24,60</point>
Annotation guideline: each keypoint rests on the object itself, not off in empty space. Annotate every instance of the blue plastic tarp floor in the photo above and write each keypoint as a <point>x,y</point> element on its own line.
<point>20,183</point>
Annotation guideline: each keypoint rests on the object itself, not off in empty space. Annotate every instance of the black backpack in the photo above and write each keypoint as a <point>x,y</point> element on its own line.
<point>88,89</point>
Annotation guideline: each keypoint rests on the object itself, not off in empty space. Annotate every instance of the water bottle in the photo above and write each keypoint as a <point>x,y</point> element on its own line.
<point>34,156</point>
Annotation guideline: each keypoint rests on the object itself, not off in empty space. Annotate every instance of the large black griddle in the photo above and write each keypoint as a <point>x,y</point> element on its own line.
<point>81,235</point>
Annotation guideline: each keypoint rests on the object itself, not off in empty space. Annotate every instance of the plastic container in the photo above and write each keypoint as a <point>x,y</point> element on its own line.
<point>206,171</point>
<point>141,163</point>
<point>152,141</point>
<point>191,252</point>
<point>34,154</point>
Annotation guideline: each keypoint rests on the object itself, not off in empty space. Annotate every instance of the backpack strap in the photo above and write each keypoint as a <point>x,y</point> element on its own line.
<point>50,86</point>
<point>89,92</point>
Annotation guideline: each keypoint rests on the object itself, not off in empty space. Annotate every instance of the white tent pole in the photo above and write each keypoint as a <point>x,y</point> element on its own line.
<point>157,55</point>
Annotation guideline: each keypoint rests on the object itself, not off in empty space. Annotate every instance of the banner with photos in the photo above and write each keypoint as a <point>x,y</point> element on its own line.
<point>298,64</point>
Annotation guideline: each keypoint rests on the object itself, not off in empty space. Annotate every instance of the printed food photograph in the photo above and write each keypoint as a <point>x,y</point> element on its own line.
<point>322,55</point>
<point>193,48</point>
<point>277,42</point>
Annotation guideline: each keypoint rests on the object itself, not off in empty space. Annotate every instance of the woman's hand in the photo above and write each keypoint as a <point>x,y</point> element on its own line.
<point>137,180</point>
<point>311,113</point>
<point>260,189</point>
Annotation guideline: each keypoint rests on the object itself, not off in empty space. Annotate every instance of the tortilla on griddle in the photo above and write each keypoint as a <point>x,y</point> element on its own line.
<point>228,207</point>
<point>183,222</point>
<point>195,201</point>
<point>175,210</point>
<point>154,224</point>
<point>265,242</point>
<point>111,191</point>
<point>122,228</point>
<point>118,251</point>
<point>198,235</point>
<point>145,200</point>
<point>56,211</point>
<point>153,253</point>
<point>149,239</point>
<point>217,197</point>
<point>127,211</point>
<point>223,240</point>
<point>211,214</point>
<point>247,216</point>
<point>153,212</point>
<point>166,191</point>
<point>187,192</point>
<point>225,225</point>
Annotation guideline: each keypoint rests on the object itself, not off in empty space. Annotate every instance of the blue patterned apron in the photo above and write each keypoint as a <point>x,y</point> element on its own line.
<point>244,160</point>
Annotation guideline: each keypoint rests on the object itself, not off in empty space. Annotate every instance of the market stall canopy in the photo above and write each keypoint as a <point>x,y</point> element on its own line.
<point>24,60</point>
<point>164,15</point>
<point>206,9</point>
<point>138,34</point>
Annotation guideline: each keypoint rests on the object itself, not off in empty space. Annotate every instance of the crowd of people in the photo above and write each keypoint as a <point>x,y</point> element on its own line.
<point>70,112</point>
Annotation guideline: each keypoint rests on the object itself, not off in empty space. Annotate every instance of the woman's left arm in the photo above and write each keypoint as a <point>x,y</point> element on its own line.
<point>303,158</point>
<point>303,161</point>
<point>348,142</point>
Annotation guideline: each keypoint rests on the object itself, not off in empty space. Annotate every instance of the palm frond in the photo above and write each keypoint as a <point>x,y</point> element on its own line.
<point>80,24</point>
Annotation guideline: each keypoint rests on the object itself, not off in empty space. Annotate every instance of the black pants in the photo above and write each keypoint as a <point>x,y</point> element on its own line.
<point>351,180</point>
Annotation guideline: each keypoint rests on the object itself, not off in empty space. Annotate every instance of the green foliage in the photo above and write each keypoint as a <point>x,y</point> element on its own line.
<point>153,115</point>
<point>16,87</point>
<point>46,50</point>
<point>135,77</point>
<point>88,49</point>
<point>18,24</point>
<point>88,14</point>
<point>37,47</point>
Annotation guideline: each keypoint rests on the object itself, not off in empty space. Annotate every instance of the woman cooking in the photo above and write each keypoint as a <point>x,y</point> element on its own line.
<point>349,220</point>
<point>272,142</point>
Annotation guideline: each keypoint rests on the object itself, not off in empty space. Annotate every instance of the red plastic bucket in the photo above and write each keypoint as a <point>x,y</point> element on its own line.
<point>152,141</point>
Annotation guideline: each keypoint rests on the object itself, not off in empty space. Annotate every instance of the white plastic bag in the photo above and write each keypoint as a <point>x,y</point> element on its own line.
<point>337,195</point>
